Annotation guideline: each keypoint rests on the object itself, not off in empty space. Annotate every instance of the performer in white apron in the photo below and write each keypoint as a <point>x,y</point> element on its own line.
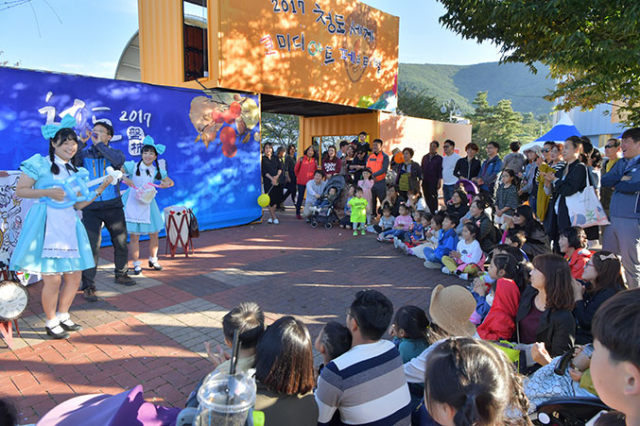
<point>53,241</point>
<point>140,208</point>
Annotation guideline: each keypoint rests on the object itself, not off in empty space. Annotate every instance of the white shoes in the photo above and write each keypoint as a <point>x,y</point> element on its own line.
<point>276,221</point>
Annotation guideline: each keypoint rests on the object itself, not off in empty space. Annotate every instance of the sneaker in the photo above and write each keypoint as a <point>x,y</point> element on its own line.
<point>466,278</point>
<point>298,216</point>
<point>276,221</point>
<point>404,249</point>
<point>445,270</point>
<point>125,280</point>
<point>363,232</point>
<point>395,242</point>
<point>154,265</point>
<point>90,294</point>
<point>355,233</point>
<point>380,239</point>
<point>269,220</point>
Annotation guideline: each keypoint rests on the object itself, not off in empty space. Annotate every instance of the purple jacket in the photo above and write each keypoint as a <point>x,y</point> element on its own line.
<point>432,168</point>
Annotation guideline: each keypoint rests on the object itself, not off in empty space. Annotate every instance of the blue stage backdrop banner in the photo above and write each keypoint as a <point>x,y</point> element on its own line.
<point>213,141</point>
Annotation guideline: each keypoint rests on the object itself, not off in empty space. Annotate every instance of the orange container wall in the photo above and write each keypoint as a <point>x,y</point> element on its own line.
<point>161,54</point>
<point>338,125</point>
<point>409,132</point>
<point>162,43</point>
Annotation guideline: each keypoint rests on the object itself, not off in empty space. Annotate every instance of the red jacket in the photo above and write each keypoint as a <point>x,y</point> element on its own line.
<point>305,170</point>
<point>578,259</point>
<point>500,321</point>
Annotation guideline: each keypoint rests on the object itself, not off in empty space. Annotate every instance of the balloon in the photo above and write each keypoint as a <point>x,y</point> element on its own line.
<point>399,158</point>
<point>264,200</point>
<point>72,185</point>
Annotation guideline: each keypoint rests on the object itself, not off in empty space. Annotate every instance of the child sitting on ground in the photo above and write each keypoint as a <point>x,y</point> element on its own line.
<point>415,232</point>
<point>419,240</point>
<point>345,222</point>
<point>359,207</point>
<point>516,238</point>
<point>447,242</point>
<point>546,384</point>
<point>466,261</point>
<point>499,322</point>
<point>334,340</point>
<point>386,221</point>
<point>409,330</point>
<point>400,225</point>
<point>432,235</point>
<point>248,319</point>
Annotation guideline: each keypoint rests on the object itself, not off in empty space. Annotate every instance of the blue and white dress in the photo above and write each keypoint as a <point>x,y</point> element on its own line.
<point>52,241</point>
<point>142,218</point>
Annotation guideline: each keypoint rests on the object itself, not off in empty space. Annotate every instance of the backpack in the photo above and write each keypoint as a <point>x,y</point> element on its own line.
<point>194,230</point>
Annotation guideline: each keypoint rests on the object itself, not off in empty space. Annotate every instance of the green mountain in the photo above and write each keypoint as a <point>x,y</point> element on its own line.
<point>463,82</point>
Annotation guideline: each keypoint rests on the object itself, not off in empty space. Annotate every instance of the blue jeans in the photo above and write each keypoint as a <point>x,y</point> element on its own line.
<point>447,192</point>
<point>394,233</point>
<point>429,254</point>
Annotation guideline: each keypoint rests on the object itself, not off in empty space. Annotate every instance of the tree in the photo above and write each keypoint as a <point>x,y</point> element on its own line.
<point>591,47</point>
<point>280,129</point>
<point>419,104</point>
<point>7,64</point>
<point>501,124</point>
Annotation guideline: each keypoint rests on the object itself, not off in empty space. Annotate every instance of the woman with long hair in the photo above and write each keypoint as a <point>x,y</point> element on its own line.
<point>556,330</point>
<point>602,279</point>
<point>470,382</point>
<point>284,374</point>
<point>524,219</point>
<point>567,181</point>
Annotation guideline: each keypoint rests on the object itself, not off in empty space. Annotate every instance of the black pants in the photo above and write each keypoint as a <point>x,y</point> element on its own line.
<point>290,189</point>
<point>113,219</point>
<point>430,190</point>
<point>301,190</point>
<point>378,192</point>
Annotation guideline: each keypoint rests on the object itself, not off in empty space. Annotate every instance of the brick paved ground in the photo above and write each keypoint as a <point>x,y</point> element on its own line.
<point>153,334</point>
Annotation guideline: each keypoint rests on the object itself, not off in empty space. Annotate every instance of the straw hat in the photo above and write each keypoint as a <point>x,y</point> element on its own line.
<point>450,309</point>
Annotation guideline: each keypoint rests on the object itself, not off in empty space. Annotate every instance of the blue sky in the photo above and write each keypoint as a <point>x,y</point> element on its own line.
<point>93,33</point>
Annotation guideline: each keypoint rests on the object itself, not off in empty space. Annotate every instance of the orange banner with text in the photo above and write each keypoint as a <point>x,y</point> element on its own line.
<point>337,51</point>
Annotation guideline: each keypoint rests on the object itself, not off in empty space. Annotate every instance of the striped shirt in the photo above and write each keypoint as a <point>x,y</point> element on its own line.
<point>367,386</point>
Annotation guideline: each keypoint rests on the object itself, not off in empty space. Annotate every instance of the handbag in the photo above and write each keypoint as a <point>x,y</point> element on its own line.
<point>585,209</point>
<point>194,230</point>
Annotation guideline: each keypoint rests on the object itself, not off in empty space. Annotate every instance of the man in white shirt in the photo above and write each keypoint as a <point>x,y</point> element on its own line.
<point>366,384</point>
<point>449,161</point>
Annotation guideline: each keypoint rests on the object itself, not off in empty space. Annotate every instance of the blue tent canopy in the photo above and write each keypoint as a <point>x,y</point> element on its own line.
<point>561,131</point>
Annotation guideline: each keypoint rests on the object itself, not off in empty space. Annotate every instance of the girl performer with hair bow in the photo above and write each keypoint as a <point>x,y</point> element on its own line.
<point>53,241</point>
<point>140,208</point>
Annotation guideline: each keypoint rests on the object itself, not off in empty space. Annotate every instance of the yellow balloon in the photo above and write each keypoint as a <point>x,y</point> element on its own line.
<point>264,200</point>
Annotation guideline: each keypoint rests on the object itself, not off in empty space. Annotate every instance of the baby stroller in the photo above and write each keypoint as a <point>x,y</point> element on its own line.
<point>469,187</point>
<point>327,215</point>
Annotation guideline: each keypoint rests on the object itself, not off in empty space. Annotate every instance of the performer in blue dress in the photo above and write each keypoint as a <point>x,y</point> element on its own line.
<point>140,208</point>
<point>53,241</point>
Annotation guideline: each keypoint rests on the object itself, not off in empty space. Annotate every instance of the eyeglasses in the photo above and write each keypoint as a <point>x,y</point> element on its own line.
<point>517,214</point>
<point>609,146</point>
<point>546,150</point>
